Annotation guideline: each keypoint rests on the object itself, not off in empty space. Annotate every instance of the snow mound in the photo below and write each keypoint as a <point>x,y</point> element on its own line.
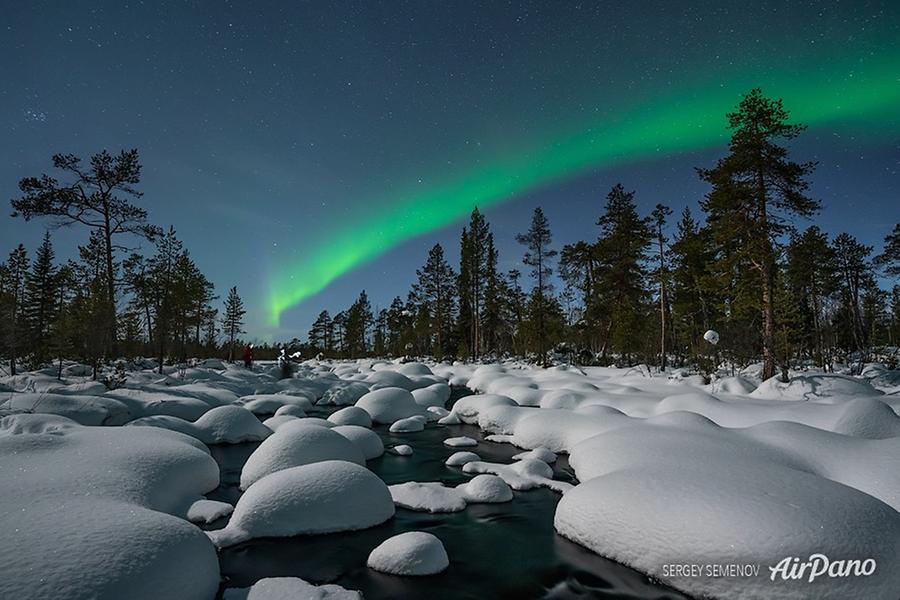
<point>290,588</point>
<point>83,512</point>
<point>460,442</point>
<point>541,454</point>
<point>868,418</point>
<point>408,425</point>
<point>814,387</point>
<point>414,368</point>
<point>368,442</point>
<point>344,393</point>
<point>435,394</point>
<point>433,497</point>
<point>390,404</point>
<point>458,459</point>
<point>486,488</point>
<point>207,511</point>
<point>468,407</point>
<point>402,450</point>
<point>351,415</point>
<point>35,423</point>
<point>323,497</point>
<point>737,385</point>
<point>390,379</point>
<point>414,553</point>
<point>269,404</point>
<point>525,474</point>
<point>295,444</point>
<point>291,410</point>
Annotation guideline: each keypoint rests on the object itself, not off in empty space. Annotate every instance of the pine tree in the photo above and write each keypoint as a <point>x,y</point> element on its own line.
<point>473,267</point>
<point>889,259</point>
<point>94,198</point>
<point>359,319</point>
<point>319,332</point>
<point>233,319</point>
<point>658,219</point>
<point>692,301</point>
<point>40,298</point>
<point>854,267</point>
<point>538,256</point>
<point>754,189</point>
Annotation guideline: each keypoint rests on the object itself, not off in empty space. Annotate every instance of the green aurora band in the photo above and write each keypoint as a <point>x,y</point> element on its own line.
<point>861,95</point>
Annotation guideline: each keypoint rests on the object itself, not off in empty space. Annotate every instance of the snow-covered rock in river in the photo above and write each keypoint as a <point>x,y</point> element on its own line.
<point>344,393</point>
<point>468,407</point>
<point>458,459</point>
<point>541,454</point>
<point>390,404</point>
<point>402,450</point>
<point>290,588</point>
<point>322,497</point>
<point>432,497</point>
<point>351,415</point>
<point>207,511</point>
<point>485,488</point>
<point>408,425</point>
<point>296,443</point>
<point>460,442</point>
<point>411,553</point>
<point>368,442</point>
<point>522,475</point>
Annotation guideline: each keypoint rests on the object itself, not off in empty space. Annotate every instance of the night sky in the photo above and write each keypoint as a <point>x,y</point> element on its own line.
<point>307,150</point>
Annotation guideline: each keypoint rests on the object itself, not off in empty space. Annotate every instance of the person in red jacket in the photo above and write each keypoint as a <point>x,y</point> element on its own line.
<point>248,356</point>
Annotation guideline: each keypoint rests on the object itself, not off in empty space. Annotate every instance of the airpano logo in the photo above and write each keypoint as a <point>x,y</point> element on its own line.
<point>818,565</point>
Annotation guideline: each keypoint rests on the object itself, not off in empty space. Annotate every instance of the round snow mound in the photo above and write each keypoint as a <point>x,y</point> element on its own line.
<point>486,488</point>
<point>410,553</point>
<point>351,415</point>
<point>323,497</point>
<point>390,404</point>
<point>231,425</point>
<point>296,444</point>
<point>366,440</point>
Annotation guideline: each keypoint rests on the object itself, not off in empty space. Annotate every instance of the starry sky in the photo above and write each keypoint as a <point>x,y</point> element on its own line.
<point>307,150</point>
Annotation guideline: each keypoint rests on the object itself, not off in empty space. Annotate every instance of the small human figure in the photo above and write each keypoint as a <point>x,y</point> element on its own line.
<point>248,356</point>
<point>284,363</point>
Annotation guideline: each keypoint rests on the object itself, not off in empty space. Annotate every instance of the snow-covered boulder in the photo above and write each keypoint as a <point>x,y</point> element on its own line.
<point>390,379</point>
<point>322,497</point>
<point>344,393</point>
<point>522,475</point>
<point>390,404</point>
<point>458,459</point>
<point>295,444</point>
<point>410,553</point>
<point>269,404</point>
<point>468,407</point>
<point>460,442</point>
<point>435,394</point>
<point>292,410</point>
<point>368,442</point>
<point>402,450</point>
<point>539,453</point>
<point>351,415</point>
<point>432,497</point>
<point>485,488</point>
<point>206,511</point>
<point>408,425</point>
<point>290,588</point>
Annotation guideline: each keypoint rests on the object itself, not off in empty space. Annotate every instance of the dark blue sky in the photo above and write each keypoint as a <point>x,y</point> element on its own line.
<point>263,124</point>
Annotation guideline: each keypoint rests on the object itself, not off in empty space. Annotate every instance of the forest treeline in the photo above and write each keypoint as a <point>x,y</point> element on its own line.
<point>113,300</point>
<point>645,290</point>
<point>638,293</point>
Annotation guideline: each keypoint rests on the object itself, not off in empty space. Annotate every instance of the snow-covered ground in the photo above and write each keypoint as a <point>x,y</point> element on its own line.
<point>734,489</point>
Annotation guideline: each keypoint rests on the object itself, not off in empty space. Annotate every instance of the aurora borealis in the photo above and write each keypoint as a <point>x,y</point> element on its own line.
<point>685,121</point>
<point>305,151</point>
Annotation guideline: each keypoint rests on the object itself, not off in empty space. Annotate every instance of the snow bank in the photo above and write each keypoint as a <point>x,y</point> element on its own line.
<point>87,512</point>
<point>817,386</point>
<point>221,425</point>
<point>323,497</point>
<point>411,553</point>
<point>296,443</point>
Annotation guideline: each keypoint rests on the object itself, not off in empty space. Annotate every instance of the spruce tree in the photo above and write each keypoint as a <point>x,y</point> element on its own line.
<point>854,268</point>
<point>233,319</point>
<point>754,190</point>
<point>889,259</point>
<point>40,298</point>
<point>318,333</point>
<point>435,289</point>
<point>658,219</point>
<point>16,272</point>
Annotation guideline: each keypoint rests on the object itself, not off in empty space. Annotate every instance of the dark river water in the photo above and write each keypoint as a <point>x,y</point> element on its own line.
<point>507,550</point>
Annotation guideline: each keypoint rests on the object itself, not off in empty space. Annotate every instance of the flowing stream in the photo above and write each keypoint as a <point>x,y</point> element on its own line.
<point>507,550</point>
